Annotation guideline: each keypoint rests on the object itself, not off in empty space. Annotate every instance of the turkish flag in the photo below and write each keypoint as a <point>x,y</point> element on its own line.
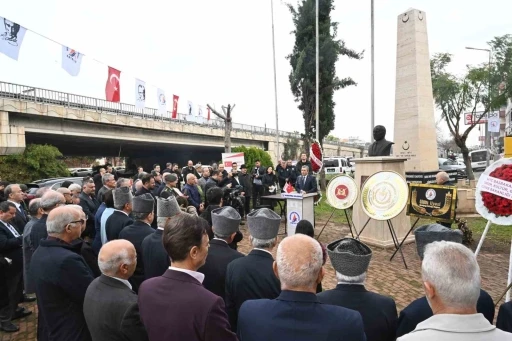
<point>113,86</point>
<point>208,114</point>
<point>175,99</point>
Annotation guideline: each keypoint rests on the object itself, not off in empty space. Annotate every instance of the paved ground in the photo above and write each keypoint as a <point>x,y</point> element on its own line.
<point>385,277</point>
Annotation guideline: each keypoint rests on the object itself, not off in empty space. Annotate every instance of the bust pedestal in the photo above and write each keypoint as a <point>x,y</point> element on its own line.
<point>376,232</point>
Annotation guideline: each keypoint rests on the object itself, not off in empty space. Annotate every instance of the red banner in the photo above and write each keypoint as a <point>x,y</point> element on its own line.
<point>113,86</point>
<point>208,113</point>
<point>175,99</point>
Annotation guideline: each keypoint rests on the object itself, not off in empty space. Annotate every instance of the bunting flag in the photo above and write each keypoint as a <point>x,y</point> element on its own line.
<point>190,110</point>
<point>200,110</point>
<point>140,94</point>
<point>162,103</point>
<point>11,38</point>
<point>175,99</point>
<point>493,123</point>
<point>113,86</point>
<point>71,61</point>
<point>208,113</point>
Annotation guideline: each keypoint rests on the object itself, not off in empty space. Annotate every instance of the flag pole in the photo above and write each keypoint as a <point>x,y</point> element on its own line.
<point>372,72</point>
<point>317,104</point>
<point>275,82</point>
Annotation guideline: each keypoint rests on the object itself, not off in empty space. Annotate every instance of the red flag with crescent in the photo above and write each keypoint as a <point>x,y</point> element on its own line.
<point>175,99</point>
<point>113,86</point>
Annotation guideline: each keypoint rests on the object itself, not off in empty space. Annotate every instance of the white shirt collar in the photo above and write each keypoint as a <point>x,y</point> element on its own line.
<point>121,211</point>
<point>220,239</point>
<point>197,275</point>
<point>17,204</point>
<point>270,253</point>
<point>160,228</point>
<point>122,280</point>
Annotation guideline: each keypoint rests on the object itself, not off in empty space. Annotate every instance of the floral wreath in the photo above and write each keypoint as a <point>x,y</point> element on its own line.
<point>316,156</point>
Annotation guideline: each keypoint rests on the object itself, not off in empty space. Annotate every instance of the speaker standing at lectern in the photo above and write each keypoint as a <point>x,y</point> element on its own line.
<point>306,183</point>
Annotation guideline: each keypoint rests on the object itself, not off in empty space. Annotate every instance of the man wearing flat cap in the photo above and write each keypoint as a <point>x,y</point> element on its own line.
<point>141,228</point>
<point>351,258</point>
<point>252,277</point>
<point>121,217</point>
<point>155,258</point>
<point>225,223</point>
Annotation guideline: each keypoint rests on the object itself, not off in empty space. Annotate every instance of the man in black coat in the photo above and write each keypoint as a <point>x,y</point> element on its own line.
<point>90,205</point>
<point>140,229</point>
<point>14,194</point>
<point>306,183</point>
<point>110,306</point>
<point>504,320</point>
<point>245,181</point>
<point>351,258</point>
<point>225,221</point>
<point>252,277</point>
<point>121,217</point>
<point>62,277</point>
<point>49,201</point>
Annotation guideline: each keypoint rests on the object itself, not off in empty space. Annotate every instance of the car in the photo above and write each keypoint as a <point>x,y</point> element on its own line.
<point>337,165</point>
<point>81,172</point>
<point>450,165</point>
<point>479,159</point>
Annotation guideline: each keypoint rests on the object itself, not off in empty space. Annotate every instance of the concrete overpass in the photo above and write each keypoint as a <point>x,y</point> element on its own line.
<point>80,125</point>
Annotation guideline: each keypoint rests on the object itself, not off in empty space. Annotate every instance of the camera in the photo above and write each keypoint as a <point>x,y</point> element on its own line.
<point>233,198</point>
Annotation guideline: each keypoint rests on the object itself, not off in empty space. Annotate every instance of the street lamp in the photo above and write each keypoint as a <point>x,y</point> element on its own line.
<point>487,141</point>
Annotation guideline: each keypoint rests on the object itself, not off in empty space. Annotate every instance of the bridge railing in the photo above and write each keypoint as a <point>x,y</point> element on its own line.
<point>45,96</point>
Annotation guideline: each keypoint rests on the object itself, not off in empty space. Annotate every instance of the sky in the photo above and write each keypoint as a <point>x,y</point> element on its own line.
<point>220,52</point>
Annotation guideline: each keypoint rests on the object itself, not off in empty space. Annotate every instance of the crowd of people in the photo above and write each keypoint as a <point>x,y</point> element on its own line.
<point>151,258</point>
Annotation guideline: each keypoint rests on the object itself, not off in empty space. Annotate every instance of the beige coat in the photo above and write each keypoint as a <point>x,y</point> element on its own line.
<point>450,327</point>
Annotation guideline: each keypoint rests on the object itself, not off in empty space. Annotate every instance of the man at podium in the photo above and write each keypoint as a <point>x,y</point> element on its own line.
<point>306,183</point>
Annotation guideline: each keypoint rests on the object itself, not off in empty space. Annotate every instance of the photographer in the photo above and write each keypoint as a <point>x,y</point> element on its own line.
<point>245,180</point>
<point>215,180</point>
<point>257,185</point>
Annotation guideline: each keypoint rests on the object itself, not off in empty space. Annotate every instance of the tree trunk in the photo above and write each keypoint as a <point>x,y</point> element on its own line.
<point>227,136</point>
<point>467,162</point>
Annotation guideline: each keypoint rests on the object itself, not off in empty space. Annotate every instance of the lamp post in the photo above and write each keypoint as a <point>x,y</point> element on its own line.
<point>372,73</point>
<point>275,81</point>
<point>487,140</point>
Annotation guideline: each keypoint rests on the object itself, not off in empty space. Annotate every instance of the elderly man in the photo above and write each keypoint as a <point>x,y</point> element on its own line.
<point>166,296</point>
<point>297,314</point>
<point>351,258</point>
<point>252,277</point>
<point>110,306</point>
<point>49,201</point>
<point>14,194</point>
<point>67,194</point>
<point>36,212</point>
<point>192,193</point>
<point>226,221</point>
<point>451,279</point>
<point>109,182</point>
<point>61,276</point>
<point>123,200</point>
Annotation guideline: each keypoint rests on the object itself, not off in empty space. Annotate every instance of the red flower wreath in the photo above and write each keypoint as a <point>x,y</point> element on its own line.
<point>316,157</point>
<point>494,203</point>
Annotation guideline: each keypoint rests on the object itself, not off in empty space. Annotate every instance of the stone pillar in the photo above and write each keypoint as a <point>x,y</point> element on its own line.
<point>415,131</point>
<point>12,138</point>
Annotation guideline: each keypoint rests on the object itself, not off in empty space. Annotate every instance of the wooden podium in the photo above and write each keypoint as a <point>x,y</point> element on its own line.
<point>298,207</point>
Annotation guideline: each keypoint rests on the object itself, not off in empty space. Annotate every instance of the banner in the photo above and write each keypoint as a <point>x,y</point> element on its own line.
<point>175,99</point>
<point>113,86</point>
<point>208,113</point>
<point>229,158</point>
<point>162,102</point>
<point>140,94</point>
<point>432,202</point>
<point>71,61</point>
<point>493,124</point>
<point>11,38</point>
<point>190,110</point>
<point>200,110</point>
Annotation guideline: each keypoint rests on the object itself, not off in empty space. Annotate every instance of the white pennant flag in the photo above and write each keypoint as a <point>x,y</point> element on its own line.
<point>71,60</point>
<point>11,37</point>
<point>200,111</point>
<point>140,94</point>
<point>162,103</point>
<point>493,123</point>
<point>190,110</point>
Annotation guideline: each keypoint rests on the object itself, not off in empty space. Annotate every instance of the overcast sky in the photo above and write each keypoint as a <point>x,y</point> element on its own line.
<point>220,52</point>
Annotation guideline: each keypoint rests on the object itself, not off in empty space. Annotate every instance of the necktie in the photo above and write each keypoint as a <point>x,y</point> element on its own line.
<point>22,212</point>
<point>13,230</point>
<point>303,181</point>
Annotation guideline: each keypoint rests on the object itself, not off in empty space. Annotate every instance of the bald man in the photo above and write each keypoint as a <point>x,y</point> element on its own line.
<point>67,194</point>
<point>110,305</point>
<point>297,314</point>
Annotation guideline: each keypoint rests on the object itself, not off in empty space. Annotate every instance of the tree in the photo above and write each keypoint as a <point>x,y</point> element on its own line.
<point>457,95</point>
<point>303,62</point>
<point>291,148</point>
<point>228,121</point>
<point>37,162</point>
<point>251,154</point>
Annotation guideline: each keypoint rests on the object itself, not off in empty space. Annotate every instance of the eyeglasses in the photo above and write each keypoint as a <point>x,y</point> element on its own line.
<point>83,221</point>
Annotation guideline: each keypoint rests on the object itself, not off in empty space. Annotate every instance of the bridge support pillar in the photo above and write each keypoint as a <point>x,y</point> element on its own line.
<point>12,138</point>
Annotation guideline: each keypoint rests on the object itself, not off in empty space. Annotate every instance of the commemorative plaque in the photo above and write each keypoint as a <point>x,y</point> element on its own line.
<point>432,202</point>
<point>384,195</point>
<point>342,192</point>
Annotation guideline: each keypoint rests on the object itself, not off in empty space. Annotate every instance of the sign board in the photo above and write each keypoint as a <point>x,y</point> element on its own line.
<point>229,158</point>
<point>432,202</point>
<point>428,177</point>
<point>473,118</point>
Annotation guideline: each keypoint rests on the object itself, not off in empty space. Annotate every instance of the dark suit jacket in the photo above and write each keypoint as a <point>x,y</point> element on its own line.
<point>379,312</point>
<point>176,306</point>
<point>111,311</point>
<point>298,316</point>
<point>504,320</point>
<point>154,256</point>
<point>135,234</point>
<point>38,232</point>
<point>419,310</point>
<point>249,278</point>
<point>10,247</point>
<point>216,266</point>
<point>308,187</point>
<point>115,224</point>
<point>90,206</point>
<point>20,220</point>
<point>144,190</point>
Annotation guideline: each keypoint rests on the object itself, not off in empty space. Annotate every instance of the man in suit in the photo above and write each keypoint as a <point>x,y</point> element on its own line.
<point>306,183</point>
<point>14,194</point>
<point>90,205</point>
<point>504,320</point>
<point>123,201</point>
<point>252,277</point>
<point>140,229</point>
<point>175,306</point>
<point>226,222</point>
<point>49,201</point>
<point>351,258</point>
<point>110,306</point>
<point>297,314</point>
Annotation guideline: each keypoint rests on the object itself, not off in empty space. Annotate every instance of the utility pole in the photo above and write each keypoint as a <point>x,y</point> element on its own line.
<point>275,82</point>
<point>228,124</point>
<point>372,73</point>
<point>317,104</point>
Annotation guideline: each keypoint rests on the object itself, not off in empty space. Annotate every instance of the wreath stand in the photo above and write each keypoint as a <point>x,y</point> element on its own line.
<point>350,222</point>
<point>405,238</point>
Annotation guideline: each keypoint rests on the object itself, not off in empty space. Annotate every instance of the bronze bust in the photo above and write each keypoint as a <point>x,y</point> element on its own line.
<point>381,147</point>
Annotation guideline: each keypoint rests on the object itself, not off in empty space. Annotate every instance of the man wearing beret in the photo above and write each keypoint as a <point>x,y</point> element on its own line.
<point>121,217</point>
<point>252,277</point>
<point>351,258</point>
<point>143,214</point>
<point>225,224</point>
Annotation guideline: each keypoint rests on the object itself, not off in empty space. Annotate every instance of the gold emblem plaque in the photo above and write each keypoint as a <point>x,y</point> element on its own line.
<point>384,195</point>
<point>342,192</point>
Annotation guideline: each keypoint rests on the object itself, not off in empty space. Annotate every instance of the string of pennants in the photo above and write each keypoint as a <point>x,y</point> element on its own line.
<point>11,40</point>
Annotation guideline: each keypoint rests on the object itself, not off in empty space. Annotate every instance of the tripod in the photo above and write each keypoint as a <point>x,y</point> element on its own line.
<point>350,223</point>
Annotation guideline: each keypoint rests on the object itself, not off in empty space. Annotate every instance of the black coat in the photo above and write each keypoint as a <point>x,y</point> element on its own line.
<point>89,206</point>
<point>379,312</point>
<point>112,312</point>
<point>419,310</point>
<point>135,234</point>
<point>116,223</point>
<point>144,190</point>
<point>61,276</point>
<point>504,320</point>
<point>154,256</point>
<point>216,266</point>
<point>249,278</point>
<point>245,180</point>
<point>20,219</point>
<point>38,232</point>
<point>11,247</point>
